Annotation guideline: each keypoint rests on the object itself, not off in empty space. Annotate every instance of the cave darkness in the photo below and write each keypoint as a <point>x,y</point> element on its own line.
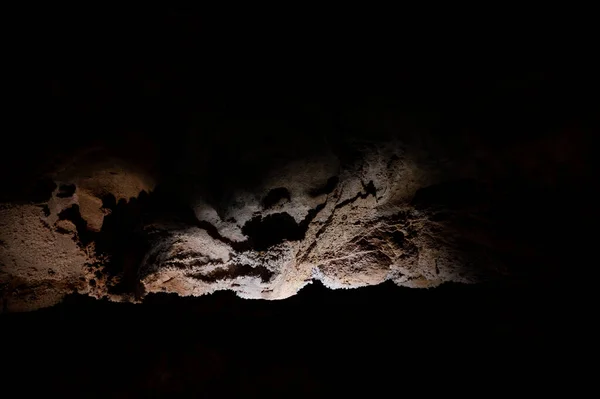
<point>143,90</point>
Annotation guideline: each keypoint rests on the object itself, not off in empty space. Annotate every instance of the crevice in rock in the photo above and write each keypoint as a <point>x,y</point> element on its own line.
<point>331,184</point>
<point>73,215</point>
<point>309,218</point>
<point>66,190</point>
<point>369,190</point>
<point>274,196</point>
<point>62,230</point>
<point>325,225</point>
<point>234,271</point>
<point>398,238</point>
<point>265,232</point>
<point>192,259</point>
<point>109,201</point>
<point>122,238</point>
<point>214,233</point>
<point>185,255</point>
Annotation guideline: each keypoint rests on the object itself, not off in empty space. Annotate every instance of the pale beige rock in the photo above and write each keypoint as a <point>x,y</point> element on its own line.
<point>360,231</point>
<point>41,264</point>
<point>95,177</point>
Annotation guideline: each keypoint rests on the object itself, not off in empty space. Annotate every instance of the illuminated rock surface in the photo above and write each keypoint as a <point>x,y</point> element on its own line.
<point>154,173</point>
<point>351,213</point>
<point>202,208</point>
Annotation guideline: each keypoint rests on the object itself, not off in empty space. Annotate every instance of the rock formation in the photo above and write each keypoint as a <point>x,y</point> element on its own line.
<point>155,172</point>
<point>350,211</point>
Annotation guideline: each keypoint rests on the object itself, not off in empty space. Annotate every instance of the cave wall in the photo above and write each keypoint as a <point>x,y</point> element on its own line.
<point>160,173</point>
<point>262,209</point>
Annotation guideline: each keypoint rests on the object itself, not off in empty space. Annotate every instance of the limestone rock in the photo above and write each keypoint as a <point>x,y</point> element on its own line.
<point>105,232</point>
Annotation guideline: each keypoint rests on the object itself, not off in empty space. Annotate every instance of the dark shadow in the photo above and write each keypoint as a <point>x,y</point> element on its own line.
<point>271,230</point>
<point>72,214</point>
<point>234,271</point>
<point>123,239</point>
<point>42,190</point>
<point>327,188</point>
<point>274,196</point>
<point>452,194</point>
<point>66,190</point>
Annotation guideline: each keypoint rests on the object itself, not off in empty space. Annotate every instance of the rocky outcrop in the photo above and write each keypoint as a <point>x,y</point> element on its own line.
<point>107,230</point>
<point>264,220</point>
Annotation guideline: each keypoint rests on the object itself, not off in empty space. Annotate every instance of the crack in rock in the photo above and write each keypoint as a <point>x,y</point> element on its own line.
<point>234,271</point>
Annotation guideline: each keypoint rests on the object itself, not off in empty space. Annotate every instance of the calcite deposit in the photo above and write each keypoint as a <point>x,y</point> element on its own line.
<point>108,230</point>
<point>263,216</point>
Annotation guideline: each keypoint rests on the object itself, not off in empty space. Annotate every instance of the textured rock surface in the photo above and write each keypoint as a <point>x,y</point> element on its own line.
<point>157,172</point>
<point>353,213</point>
<point>349,222</point>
